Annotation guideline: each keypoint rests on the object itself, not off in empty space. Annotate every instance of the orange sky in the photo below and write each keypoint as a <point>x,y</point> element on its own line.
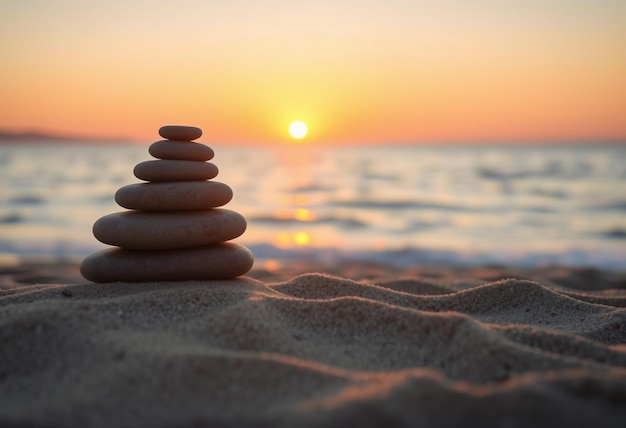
<point>355,71</point>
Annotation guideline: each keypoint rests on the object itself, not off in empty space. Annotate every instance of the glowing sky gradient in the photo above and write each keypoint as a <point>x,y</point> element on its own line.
<point>354,71</point>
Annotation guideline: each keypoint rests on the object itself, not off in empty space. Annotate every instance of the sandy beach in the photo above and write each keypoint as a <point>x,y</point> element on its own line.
<point>313,214</point>
<point>427,346</point>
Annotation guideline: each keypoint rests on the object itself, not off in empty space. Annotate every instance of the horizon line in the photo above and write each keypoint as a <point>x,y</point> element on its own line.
<point>34,135</point>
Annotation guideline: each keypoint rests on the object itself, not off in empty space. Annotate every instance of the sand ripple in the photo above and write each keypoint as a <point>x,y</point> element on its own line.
<point>313,351</point>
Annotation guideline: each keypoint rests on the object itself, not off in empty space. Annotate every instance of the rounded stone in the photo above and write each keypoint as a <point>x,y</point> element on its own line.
<point>180,133</point>
<point>175,170</point>
<point>220,261</point>
<point>138,230</point>
<point>176,196</point>
<point>181,150</point>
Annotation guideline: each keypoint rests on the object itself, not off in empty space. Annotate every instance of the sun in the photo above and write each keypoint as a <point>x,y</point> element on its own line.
<point>298,129</point>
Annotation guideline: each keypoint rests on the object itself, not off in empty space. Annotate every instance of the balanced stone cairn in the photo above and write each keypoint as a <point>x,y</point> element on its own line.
<point>175,231</point>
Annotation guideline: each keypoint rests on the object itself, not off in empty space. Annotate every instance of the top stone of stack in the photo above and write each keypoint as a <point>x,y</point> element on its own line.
<point>180,133</point>
<point>178,145</point>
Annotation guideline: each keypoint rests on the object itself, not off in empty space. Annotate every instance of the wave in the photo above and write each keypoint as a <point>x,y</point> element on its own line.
<point>28,200</point>
<point>611,206</point>
<point>550,193</point>
<point>553,170</point>
<point>615,234</point>
<point>313,188</point>
<point>12,218</point>
<point>396,205</point>
<point>410,256</point>
<point>344,223</point>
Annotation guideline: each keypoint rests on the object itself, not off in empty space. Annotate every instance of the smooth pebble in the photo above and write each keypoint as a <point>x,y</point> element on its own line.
<point>175,196</point>
<point>180,150</point>
<point>220,261</point>
<point>175,170</point>
<point>140,230</point>
<point>180,133</point>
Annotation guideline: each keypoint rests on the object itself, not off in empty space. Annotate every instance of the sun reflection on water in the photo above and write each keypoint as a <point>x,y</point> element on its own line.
<point>303,214</point>
<point>301,238</point>
<point>287,240</point>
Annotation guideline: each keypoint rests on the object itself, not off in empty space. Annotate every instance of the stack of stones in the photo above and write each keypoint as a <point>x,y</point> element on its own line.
<point>175,231</point>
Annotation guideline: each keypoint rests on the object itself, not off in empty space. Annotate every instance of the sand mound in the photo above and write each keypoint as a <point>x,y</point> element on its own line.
<point>313,351</point>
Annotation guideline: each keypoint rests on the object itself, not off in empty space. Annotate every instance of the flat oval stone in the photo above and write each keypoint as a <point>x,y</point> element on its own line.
<point>176,196</point>
<point>139,230</point>
<point>220,261</point>
<point>180,133</point>
<point>175,170</point>
<point>181,150</point>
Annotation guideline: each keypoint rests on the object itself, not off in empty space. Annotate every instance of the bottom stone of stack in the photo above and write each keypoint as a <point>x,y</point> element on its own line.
<point>219,261</point>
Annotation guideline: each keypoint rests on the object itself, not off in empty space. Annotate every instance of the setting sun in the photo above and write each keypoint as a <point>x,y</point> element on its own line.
<point>298,129</point>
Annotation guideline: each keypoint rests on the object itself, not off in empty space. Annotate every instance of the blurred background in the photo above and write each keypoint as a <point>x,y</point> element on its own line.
<point>438,132</point>
<point>522,206</point>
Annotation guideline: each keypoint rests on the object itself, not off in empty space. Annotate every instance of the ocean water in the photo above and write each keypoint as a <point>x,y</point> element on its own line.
<point>514,205</point>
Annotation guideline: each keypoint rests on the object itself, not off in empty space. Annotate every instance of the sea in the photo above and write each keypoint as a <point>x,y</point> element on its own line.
<point>514,205</point>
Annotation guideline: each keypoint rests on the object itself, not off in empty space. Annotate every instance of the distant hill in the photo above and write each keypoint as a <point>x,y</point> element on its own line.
<point>8,137</point>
